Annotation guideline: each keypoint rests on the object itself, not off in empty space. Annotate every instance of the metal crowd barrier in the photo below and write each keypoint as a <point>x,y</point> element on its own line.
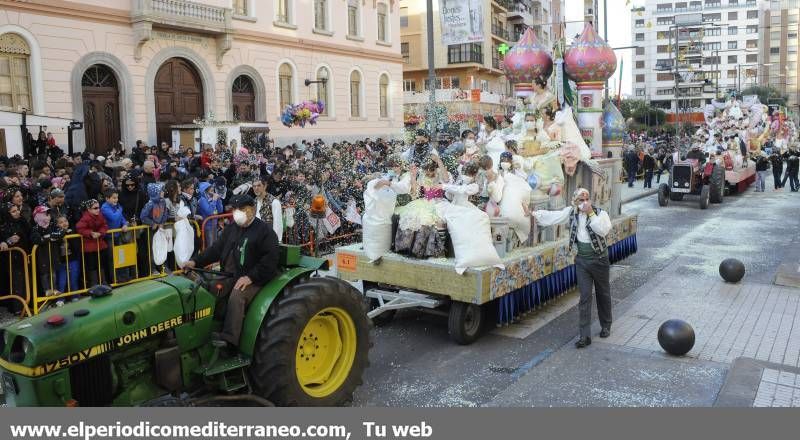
<point>120,260</point>
<point>14,294</point>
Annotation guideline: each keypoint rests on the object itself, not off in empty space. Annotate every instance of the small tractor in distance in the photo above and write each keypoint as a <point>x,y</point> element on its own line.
<point>691,177</point>
<point>304,342</point>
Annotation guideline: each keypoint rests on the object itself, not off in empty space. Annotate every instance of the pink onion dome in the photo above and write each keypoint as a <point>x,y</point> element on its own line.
<point>527,60</point>
<point>589,58</point>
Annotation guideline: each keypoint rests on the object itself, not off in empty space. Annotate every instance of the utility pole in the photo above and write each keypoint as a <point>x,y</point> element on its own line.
<point>431,71</point>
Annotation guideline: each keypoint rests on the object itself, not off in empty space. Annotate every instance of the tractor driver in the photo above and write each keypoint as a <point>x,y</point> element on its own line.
<point>247,249</point>
<point>696,153</point>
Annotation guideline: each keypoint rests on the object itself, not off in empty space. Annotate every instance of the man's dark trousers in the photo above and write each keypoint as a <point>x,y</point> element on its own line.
<point>593,271</point>
<point>631,176</point>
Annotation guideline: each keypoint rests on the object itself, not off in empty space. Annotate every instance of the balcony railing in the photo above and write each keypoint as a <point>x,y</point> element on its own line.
<point>183,14</point>
<point>501,32</point>
<point>496,63</point>
<point>505,4</point>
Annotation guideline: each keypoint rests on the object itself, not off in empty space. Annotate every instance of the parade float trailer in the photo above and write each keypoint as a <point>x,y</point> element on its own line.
<point>533,274</point>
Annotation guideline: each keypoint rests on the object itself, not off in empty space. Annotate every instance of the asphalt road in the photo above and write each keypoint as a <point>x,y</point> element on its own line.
<point>413,362</point>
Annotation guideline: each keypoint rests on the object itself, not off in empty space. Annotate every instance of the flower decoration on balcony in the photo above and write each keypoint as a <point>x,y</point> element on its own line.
<point>412,120</point>
<point>298,115</point>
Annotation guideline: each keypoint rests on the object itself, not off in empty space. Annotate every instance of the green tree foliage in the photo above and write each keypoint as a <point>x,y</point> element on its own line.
<point>766,94</point>
<point>642,112</point>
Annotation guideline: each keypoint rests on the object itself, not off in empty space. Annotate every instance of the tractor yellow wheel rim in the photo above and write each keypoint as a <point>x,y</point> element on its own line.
<point>325,352</point>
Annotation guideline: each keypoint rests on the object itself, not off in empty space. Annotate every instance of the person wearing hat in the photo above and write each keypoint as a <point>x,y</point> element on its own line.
<point>422,151</point>
<point>248,250</point>
<point>588,227</point>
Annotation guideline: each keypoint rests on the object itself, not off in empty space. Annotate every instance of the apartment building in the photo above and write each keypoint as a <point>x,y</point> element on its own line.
<point>132,68</point>
<point>779,44</point>
<point>469,77</point>
<point>713,42</point>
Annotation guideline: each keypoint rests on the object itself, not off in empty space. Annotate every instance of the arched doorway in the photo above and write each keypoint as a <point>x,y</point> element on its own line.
<point>100,109</point>
<point>244,99</point>
<point>178,96</point>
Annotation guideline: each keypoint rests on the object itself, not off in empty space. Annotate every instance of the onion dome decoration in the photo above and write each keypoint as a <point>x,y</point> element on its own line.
<point>613,126</point>
<point>527,60</point>
<point>589,58</point>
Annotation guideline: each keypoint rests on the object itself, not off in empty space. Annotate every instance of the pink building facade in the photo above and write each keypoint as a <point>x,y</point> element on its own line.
<point>131,68</point>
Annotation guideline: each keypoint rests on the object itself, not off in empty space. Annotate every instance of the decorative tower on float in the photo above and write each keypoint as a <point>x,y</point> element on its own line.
<point>524,62</point>
<point>589,61</point>
<point>613,130</point>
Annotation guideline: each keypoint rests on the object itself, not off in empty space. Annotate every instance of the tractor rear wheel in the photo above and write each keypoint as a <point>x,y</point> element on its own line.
<point>663,194</point>
<point>313,345</point>
<point>717,183</point>
<point>705,195</point>
<point>675,197</point>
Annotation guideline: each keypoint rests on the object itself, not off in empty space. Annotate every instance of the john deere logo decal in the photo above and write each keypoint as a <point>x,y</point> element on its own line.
<point>83,355</point>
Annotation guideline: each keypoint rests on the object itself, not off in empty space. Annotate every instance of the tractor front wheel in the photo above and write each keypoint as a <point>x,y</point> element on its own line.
<point>717,183</point>
<point>705,194</point>
<point>313,345</point>
<point>663,194</point>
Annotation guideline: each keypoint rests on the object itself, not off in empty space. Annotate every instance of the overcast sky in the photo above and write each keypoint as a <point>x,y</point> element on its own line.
<point>619,33</point>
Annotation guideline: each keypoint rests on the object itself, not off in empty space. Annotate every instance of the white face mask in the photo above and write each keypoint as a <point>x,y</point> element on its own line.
<point>239,217</point>
<point>505,165</point>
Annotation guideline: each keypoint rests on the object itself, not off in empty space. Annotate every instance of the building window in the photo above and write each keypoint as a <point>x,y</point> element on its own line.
<point>639,37</point>
<point>15,90</point>
<point>383,93</point>
<point>752,14</point>
<point>484,85</point>
<point>639,92</point>
<point>285,85</point>
<point>664,77</point>
<point>640,78</point>
<point>774,50</point>
<point>713,3</point>
<point>353,15</point>
<point>409,85</point>
<point>640,64</point>
<point>731,73</point>
<point>323,94</point>
<point>733,59</point>
<point>283,11</point>
<point>382,22</point>
<point>664,48</point>
<point>665,20</point>
<point>321,14</point>
<point>639,51</point>
<point>713,32</point>
<point>752,58</point>
<point>639,23</point>
<point>406,54</point>
<point>712,17</point>
<point>733,30</point>
<point>752,44</point>
<point>752,29</point>
<point>733,15</point>
<point>240,7</point>
<point>355,94</point>
<point>732,44</point>
<point>465,53</point>
<point>403,17</point>
<point>716,45</point>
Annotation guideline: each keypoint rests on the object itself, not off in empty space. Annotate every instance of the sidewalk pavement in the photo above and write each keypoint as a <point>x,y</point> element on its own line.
<point>731,322</point>
<point>637,192</point>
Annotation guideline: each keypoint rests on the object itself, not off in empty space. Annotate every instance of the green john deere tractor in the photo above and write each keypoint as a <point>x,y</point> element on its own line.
<point>305,342</point>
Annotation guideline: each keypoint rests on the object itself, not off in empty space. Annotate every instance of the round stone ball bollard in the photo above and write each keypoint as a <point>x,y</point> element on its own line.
<point>676,337</point>
<point>731,270</point>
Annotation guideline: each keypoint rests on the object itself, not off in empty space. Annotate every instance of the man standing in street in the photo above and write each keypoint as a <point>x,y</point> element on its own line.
<point>777,167</point>
<point>248,249</point>
<point>631,161</point>
<point>588,228</point>
<point>649,165</point>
